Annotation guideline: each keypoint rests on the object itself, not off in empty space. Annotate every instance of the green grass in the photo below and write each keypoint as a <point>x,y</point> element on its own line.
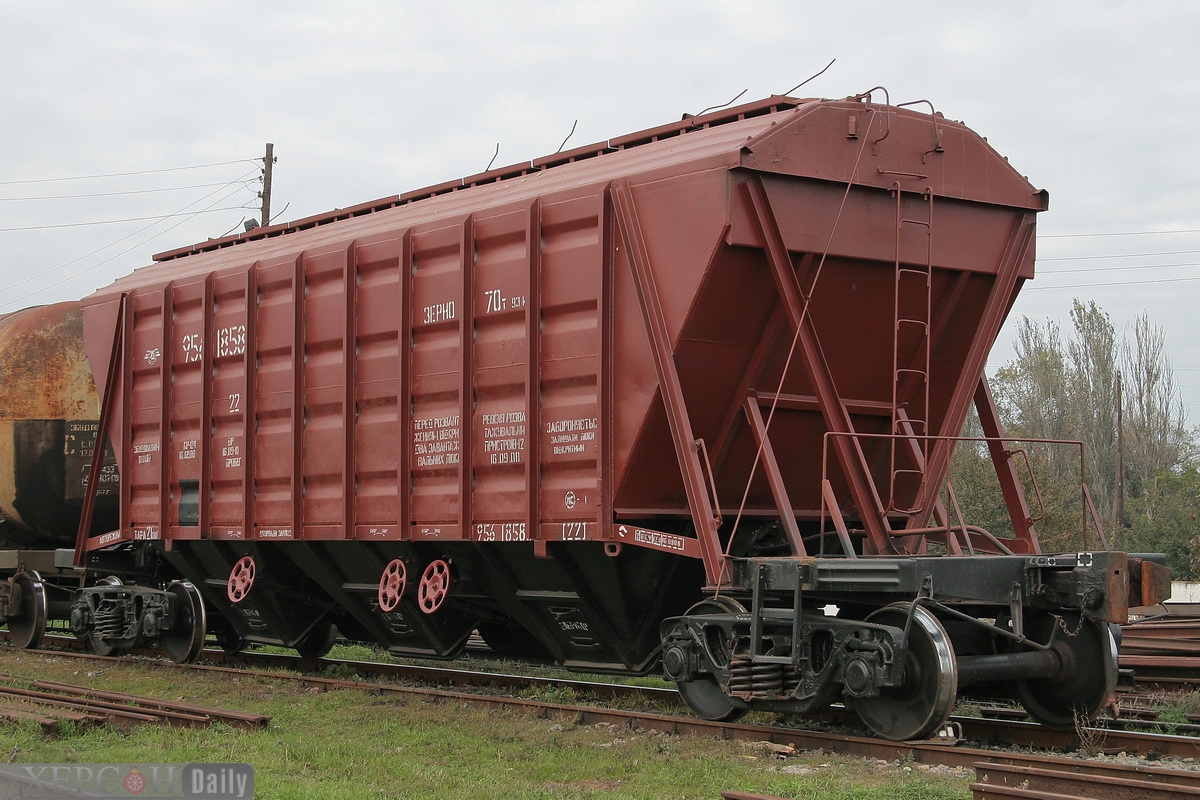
<point>1175,709</point>
<point>350,744</point>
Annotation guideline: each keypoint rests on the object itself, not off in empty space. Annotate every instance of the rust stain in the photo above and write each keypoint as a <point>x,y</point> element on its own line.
<point>44,373</point>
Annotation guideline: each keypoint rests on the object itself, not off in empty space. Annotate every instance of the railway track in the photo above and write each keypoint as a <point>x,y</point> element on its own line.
<point>379,677</point>
<point>1164,650</point>
<point>1046,779</point>
<point>1006,773</point>
<point>994,730</point>
<point>49,704</point>
<point>1058,779</point>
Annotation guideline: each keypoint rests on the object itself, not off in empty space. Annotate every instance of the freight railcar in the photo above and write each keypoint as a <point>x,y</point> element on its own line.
<point>665,399</point>
<point>49,416</point>
<point>49,413</point>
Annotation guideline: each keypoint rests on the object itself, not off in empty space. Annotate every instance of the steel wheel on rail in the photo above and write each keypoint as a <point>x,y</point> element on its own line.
<point>101,647</point>
<point>1089,674</point>
<point>28,624</point>
<point>185,640</point>
<point>231,642</point>
<point>920,705</point>
<point>703,695</point>
<point>319,640</point>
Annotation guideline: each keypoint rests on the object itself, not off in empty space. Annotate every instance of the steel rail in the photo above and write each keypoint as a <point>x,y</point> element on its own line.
<point>1031,777</point>
<point>47,703</point>
<point>951,752</point>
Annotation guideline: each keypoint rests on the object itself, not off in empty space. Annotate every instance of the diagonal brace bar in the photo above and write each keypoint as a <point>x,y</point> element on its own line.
<point>774,477</point>
<point>1006,473</point>
<point>115,365</point>
<point>686,451</point>
<point>837,419</point>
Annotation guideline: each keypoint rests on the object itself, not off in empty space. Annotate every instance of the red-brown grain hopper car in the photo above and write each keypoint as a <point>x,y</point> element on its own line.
<point>659,399</point>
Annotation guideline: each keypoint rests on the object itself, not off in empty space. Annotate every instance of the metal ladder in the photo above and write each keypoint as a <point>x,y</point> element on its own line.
<point>911,351</point>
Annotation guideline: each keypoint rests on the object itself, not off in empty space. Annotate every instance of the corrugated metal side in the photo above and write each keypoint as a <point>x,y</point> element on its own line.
<point>442,383</point>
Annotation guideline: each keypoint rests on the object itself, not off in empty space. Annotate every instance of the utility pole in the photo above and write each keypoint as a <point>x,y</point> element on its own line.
<point>268,162</point>
<point>1119,489</point>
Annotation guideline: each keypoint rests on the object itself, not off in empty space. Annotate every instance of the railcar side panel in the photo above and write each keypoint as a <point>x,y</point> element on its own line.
<point>223,455</point>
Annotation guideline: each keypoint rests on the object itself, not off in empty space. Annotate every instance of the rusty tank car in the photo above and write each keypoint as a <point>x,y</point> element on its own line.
<point>49,413</point>
<point>662,400</point>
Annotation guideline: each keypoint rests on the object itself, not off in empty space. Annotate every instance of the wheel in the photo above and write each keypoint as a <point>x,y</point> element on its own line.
<point>318,641</point>
<point>434,586</point>
<point>922,703</point>
<point>231,642</point>
<point>1089,655</point>
<point>27,626</point>
<point>241,579</point>
<point>702,694</point>
<point>185,640</point>
<point>392,585</point>
<point>101,647</point>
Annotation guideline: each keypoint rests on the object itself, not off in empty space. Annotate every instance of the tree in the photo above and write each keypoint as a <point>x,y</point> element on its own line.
<point>1093,417</point>
<point>1052,391</point>
<point>1163,519</point>
<point>1157,439</point>
<point>1032,390</point>
<point>1046,393</point>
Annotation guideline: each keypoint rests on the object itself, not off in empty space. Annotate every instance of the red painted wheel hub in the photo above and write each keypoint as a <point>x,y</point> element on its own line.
<point>392,585</point>
<point>241,579</point>
<point>434,587</point>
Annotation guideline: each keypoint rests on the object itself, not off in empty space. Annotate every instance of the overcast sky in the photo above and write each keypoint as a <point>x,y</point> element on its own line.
<point>1096,102</point>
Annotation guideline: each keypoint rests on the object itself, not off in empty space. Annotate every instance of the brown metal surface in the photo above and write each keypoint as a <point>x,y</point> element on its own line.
<point>46,374</point>
<point>1163,649</point>
<point>310,378</point>
<point>91,491</point>
<point>237,719</point>
<point>48,421</point>
<point>682,435</point>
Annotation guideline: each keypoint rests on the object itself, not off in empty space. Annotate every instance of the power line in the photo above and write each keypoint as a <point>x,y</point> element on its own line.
<point>1125,233</point>
<point>1113,283</point>
<point>1118,269</point>
<point>109,221</point>
<point>180,212</point>
<point>186,218</point>
<point>114,194</point>
<point>126,174</point>
<point>1121,255</point>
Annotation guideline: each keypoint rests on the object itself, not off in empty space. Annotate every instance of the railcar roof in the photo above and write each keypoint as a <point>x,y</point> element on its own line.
<point>688,124</point>
<point>724,137</point>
